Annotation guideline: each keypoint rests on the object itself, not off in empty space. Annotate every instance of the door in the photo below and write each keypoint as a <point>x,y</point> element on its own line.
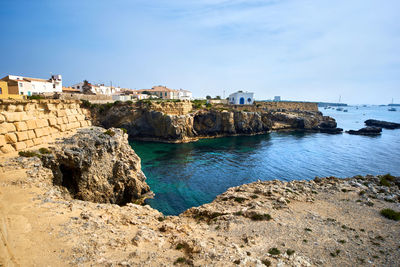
<point>29,93</point>
<point>241,101</point>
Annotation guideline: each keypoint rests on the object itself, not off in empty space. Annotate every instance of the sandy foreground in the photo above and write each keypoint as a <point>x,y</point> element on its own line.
<point>327,222</point>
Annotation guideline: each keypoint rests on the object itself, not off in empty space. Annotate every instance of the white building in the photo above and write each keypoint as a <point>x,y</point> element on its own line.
<point>32,86</point>
<point>184,94</point>
<point>98,89</point>
<point>241,98</point>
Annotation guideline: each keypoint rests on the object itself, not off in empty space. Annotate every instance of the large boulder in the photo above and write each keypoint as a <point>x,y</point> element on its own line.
<point>98,165</point>
<point>328,125</point>
<point>382,124</point>
<point>366,131</point>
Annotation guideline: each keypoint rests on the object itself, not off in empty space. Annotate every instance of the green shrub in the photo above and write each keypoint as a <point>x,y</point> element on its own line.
<point>86,104</point>
<point>37,97</point>
<point>290,252</point>
<point>109,132</point>
<point>336,253</point>
<point>266,262</point>
<point>389,177</point>
<point>390,214</point>
<point>240,199</point>
<point>44,150</point>
<point>180,260</point>
<point>179,246</point>
<point>28,154</point>
<point>261,217</point>
<point>274,251</point>
<point>124,130</point>
<point>129,102</point>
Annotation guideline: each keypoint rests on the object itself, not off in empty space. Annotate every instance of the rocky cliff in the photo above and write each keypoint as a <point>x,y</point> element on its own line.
<point>99,166</point>
<point>148,124</point>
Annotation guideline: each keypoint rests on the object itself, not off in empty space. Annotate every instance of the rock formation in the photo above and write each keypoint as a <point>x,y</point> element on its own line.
<point>147,124</point>
<point>382,124</point>
<point>369,130</point>
<point>99,166</point>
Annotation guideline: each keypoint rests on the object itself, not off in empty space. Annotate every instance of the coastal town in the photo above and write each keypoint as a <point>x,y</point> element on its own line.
<point>20,87</point>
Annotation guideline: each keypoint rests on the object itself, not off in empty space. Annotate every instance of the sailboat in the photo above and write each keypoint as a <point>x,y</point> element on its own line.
<point>339,109</point>
<point>392,108</point>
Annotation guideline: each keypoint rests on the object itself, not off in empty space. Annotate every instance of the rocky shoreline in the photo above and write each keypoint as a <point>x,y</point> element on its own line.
<point>146,123</point>
<point>325,221</point>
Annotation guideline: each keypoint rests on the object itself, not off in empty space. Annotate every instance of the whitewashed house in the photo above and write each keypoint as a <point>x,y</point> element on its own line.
<point>184,94</point>
<point>98,89</point>
<point>241,98</point>
<point>33,86</point>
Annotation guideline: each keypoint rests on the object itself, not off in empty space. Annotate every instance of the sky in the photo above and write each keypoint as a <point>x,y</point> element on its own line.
<point>311,50</point>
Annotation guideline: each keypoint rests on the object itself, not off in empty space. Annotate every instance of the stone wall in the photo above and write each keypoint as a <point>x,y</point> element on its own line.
<point>170,108</point>
<point>94,99</point>
<point>27,123</point>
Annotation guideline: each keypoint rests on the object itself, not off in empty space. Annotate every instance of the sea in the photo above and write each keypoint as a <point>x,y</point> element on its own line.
<point>188,175</point>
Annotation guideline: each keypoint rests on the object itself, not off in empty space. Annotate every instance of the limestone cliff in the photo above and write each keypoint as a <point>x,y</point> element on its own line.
<point>145,123</point>
<point>98,166</point>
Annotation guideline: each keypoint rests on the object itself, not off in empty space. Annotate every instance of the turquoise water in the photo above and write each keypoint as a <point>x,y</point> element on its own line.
<point>187,175</point>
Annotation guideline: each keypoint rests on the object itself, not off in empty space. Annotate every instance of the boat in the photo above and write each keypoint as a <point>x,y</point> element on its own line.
<point>345,110</point>
<point>392,108</point>
<point>339,109</point>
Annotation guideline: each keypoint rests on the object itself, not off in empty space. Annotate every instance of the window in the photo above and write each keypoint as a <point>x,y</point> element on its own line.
<point>21,84</point>
<point>249,99</point>
<point>78,87</point>
<point>1,91</point>
<point>22,93</point>
<point>54,86</point>
<point>165,93</point>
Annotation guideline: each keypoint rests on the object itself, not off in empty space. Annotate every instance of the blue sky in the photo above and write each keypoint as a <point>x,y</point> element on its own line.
<point>299,49</point>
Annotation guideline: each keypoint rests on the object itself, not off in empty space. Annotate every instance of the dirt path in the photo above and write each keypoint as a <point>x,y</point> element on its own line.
<point>26,227</point>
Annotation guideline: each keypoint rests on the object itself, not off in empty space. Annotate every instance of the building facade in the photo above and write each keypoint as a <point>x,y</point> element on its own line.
<point>164,92</point>
<point>98,89</point>
<point>33,86</point>
<point>185,94</point>
<point>241,98</point>
<point>5,93</point>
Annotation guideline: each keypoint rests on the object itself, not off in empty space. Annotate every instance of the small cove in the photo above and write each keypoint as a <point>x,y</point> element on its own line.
<point>187,175</point>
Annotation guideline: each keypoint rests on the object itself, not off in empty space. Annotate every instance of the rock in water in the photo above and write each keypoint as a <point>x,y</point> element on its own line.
<point>328,125</point>
<point>366,131</point>
<point>382,124</point>
<point>98,165</point>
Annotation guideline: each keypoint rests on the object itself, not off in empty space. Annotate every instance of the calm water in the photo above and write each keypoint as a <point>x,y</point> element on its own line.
<point>187,175</point>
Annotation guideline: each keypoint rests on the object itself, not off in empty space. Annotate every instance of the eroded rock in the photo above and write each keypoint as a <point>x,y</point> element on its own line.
<point>99,166</point>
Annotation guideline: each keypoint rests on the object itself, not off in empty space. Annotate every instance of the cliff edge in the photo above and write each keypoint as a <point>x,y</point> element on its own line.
<point>150,122</point>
